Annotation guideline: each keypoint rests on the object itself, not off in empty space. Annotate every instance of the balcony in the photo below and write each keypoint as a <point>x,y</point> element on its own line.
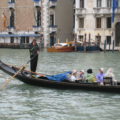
<point>11,29</point>
<point>53,28</point>
<point>102,11</point>
<point>37,28</point>
<point>37,3</point>
<point>11,5</point>
<point>80,11</point>
<point>52,3</point>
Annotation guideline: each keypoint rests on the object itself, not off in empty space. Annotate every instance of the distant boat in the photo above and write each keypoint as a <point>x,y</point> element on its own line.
<point>74,46</point>
<point>61,47</point>
<point>87,47</point>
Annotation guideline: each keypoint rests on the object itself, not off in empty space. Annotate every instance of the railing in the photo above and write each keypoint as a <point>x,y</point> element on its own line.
<point>36,28</point>
<point>103,10</point>
<point>80,11</point>
<point>37,3</point>
<point>15,45</point>
<point>52,3</point>
<point>53,28</point>
<point>11,29</point>
<point>9,45</point>
<point>11,5</point>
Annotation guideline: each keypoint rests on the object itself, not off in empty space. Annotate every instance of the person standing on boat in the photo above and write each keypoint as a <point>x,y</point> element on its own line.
<point>100,76</point>
<point>34,51</point>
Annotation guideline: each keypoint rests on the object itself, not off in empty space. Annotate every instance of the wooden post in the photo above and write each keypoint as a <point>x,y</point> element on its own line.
<point>89,38</point>
<point>105,46</point>
<point>113,45</point>
<point>85,43</point>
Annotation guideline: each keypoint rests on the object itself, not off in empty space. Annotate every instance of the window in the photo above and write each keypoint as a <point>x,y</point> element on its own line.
<point>52,39</point>
<point>11,39</point>
<point>98,39</point>
<point>81,22</point>
<point>109,3</point>
<point>22,40</point>
<point>108,38</point>
<point>12,1</point>
<point>12,19</point>
<point>27,39</point>
<point>108,22</point>
<point>98,22</point>
<point>81,3</point>
<point>38,17</point>
<point>81,38</point>
<point>52,20</point>
<point>99,3</point>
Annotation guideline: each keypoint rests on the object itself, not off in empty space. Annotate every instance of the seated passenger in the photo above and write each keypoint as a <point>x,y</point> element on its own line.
<point>80,76</point>
<point>72,76</point>
<point>110,74</point>
<point>90,77</point>
<point>100,76</point>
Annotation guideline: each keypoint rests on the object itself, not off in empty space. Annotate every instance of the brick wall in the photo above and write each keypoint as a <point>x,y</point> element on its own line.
<point>24,15</point>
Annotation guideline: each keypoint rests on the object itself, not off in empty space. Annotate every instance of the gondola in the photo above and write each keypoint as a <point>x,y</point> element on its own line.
<point>25,76</point>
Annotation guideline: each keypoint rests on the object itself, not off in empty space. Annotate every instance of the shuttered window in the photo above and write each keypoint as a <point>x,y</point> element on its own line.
<point>98,22</point>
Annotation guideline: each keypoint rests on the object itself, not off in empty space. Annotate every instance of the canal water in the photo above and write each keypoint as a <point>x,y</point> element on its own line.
<point>19,101</point>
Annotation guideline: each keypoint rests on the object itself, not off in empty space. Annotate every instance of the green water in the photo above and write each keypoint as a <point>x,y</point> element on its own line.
<point>20,101</point>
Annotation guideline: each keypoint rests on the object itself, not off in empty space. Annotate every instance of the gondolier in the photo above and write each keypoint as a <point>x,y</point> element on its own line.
<point>34,51</point>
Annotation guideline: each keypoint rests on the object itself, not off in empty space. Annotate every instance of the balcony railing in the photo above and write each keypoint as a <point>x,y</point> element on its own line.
<point>53,28</point>
<point>80,11</point>
<point>11,5</point>
<point>37,28</point>
<point>11,29</point>
<point>52,3</point>
<point>37,3</point>
<point>103,10</point>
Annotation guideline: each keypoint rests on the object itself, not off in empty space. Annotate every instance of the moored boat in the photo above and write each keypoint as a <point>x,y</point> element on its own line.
<point>25,76</point>
<point>61,47</point>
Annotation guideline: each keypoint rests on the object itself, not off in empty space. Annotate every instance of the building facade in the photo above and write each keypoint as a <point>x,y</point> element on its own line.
<point>93,22</point>
<point>45,20</point>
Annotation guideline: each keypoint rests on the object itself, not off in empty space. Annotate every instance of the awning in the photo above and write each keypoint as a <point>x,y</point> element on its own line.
<point>20,35</point>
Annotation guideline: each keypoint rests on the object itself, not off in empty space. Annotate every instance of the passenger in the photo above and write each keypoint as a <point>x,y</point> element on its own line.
<point>80,76</point>
<point>72,76</point>
<point>110,74</point>
<point>90,77</point>
<point>100,76</point>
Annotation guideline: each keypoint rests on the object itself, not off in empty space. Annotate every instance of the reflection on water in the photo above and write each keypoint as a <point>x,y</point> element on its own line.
<point>24,102</point>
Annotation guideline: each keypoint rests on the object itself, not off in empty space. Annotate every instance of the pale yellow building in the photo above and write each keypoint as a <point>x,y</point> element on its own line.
<point>93,22</point>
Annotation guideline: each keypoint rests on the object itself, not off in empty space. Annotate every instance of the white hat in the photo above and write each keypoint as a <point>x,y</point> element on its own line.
<point>82,71</point>
<point>101,69</point>
<point>74,71</point>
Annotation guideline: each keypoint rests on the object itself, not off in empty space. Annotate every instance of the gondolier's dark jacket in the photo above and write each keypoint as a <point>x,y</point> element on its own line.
<point>33,49</point>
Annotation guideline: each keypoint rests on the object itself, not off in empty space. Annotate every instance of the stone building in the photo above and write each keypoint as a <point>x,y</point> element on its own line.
<point>45,20</point>
<point>93,22</point>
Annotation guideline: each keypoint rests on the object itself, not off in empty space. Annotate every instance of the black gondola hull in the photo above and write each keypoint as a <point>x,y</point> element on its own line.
<point>25,77</point>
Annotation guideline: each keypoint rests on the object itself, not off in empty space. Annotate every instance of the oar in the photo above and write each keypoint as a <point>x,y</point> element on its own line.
<point>12,77</point>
